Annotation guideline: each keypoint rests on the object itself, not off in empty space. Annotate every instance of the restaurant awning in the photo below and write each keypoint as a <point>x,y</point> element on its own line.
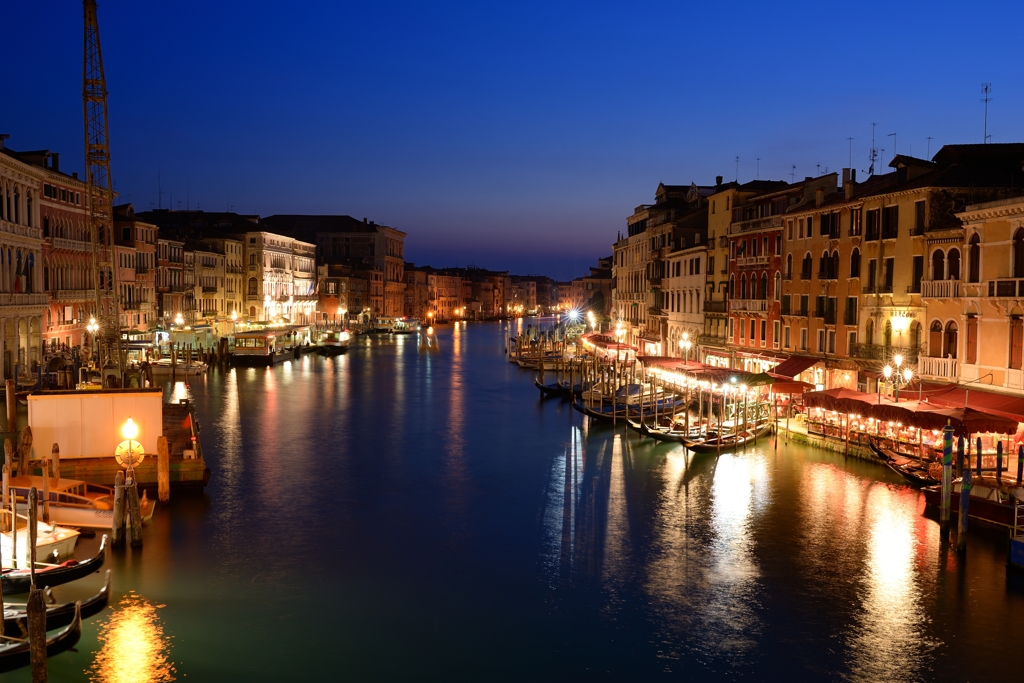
<point>840,400</point>
<point>793,366</point>
<point>1003,405</point>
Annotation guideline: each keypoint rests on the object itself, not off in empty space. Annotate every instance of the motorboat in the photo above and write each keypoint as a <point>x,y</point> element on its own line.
<point>333,342</point>
<point>164,367</point>
<point>53,542</point>
<point>75,503</point>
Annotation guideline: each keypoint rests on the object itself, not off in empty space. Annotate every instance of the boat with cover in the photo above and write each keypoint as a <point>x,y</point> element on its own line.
<point>15,654</point>
<point>76,503</point>
<point>991,500</point>
<point>712,444</point>
<point>16,617</point>
<point>907,467</point>
<point>163,368</point>
<point>333,342</point>
<point>19,580</point>
<point>52,542</point>
<point>608,411</point>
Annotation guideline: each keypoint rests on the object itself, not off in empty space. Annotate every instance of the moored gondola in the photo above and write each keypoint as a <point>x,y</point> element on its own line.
<point>16,619</point>
<point>15,654</point>
<point>552,389</point>
<point>19,580</point>
<point>728,442</point>
<point>910,469</point>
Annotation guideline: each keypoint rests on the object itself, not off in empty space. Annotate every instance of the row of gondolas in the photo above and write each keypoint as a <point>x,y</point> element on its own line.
<point>701,424</point>
<point>75,509</point>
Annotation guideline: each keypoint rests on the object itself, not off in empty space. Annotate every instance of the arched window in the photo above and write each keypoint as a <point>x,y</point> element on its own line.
<point>1018,253</point>
<point>764,286</point>
<point>789,265</point>
<point>823,265</point>
<point>887,333</point>
<point>253,287</point>
<point>949,341</point>
<point>855,263</point>
<point>935,339</point>
<point>834,266</point>
<point>915,335</point>
<point>778,286</point>
<point>808,265</point>
<point>974,260</point>
<point>953,264</point>
<point>869,332</point>
<point>743,286</point>
<point>732,286</point>
<point>938,265</point>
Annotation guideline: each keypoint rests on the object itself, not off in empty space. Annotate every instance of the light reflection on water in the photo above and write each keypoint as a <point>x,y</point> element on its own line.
<point>135,649</point>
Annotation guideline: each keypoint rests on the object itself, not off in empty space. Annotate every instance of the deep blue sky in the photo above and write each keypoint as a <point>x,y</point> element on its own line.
<point>513,135</point>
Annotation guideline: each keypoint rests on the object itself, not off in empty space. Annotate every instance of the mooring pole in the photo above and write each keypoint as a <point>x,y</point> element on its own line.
<point>947,471</point>
<point>965,501</point>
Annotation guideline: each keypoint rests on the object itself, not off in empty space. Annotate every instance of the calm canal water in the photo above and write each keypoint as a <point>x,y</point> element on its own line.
<point>386,515</point>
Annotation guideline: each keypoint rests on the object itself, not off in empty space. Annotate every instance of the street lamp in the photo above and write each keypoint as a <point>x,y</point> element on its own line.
<point>129,452</point>
<point>619,334</point>
<point>685,345</point>
<point>897,375</point>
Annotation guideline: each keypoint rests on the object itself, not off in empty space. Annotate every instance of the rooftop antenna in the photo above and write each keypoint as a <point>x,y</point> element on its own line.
<point>873,154</point>
<point>737,169</point>
<point>893,136</point>
<point>929,152</point>
<point>850,142</point>
<point>758,174</point>
<point>159,192</point>
<point>819,168</point>
<point>986,90</point>
<point>188,194</point>
<point>792,174</point>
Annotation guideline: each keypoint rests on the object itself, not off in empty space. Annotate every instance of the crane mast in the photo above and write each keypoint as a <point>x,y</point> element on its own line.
<point>100,195</point>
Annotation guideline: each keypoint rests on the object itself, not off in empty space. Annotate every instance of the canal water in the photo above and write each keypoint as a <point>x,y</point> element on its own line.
<point>387,515</point>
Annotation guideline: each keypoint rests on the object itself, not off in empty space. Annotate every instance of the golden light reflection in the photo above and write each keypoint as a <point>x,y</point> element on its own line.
<point>135,649</point>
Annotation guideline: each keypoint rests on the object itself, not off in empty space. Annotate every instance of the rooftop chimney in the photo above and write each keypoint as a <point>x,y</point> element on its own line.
<point>847,184</point>
<point>819,196</point>
<point>3,136</point>
<point>55,161</point>
<point>718,180</point>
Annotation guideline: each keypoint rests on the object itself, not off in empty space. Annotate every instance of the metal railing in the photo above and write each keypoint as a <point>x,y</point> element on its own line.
<point>714,306</point>
<point>1006,287</point>
<point>884,353</point>
<point>757,305</point>
<point>756,224</point>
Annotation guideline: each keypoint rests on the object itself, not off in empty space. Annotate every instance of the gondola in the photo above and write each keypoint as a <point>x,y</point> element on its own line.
<point>613,412</point>
<point>19,580</point>
<point>16,619</point>
<point>728,442</point>
<point>553,389</point>
<point>575,390</point>
<point>14,655</point>
<point>910,469</point>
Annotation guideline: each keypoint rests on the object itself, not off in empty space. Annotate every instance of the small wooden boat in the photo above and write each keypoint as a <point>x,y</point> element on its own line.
<point>19,580</point>
<point>551,389</point>
<point>76,503</point>
<point>729,441</point>
<point>52,542</point>
<point>907,467</point>
<point>14,655</point>
<point>992,501</point>
<point>16,618</point>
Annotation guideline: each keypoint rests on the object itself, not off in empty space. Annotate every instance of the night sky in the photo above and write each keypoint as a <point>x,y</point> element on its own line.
<point>511,136</point>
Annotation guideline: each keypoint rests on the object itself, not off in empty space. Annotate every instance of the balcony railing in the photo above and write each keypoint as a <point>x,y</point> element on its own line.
<point>787,276</point>
<point>654,281</point>
<point>23,299</point>
<point>72,295</point>
<point>884,353</point>
<point>850,318</point>
<point>712,340</point>
<point>714,306</point>
<point>1006,288</point>
<point>654,310</point>
<point>940,289</point>
<point>758,305</point>
<point>746,261</point>
<point>70,245</point>
<point>756,224</point>
<point>944,368</point>
<point>209,290</point>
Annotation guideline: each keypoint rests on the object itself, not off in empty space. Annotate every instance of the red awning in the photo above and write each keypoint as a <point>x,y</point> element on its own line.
<point>793,366</point>
<point>791,386</point>
<point>962,396</point>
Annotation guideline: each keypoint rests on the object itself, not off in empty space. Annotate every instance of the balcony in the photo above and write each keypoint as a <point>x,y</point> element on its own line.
<point>748,261</point>
<point>70,245</point>
<point>1006,288</point>
<point>885,289</point>
<point>714,306</point>
<point>654,281</point>
<point>940,289</point>
<point>884,353</point>
<point>23,299</point>
<point>755,305</point>
<point>826,275</point>
<point>209,290</point>
<point>787,276</point>
<point>654,311</point>
<point>767,223</point>
<point>73,295</point>
<point>850,318</point>
<point>943,368</point>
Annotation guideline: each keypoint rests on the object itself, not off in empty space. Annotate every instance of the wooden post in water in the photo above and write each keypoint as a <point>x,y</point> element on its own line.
<point>999,462</point>
<point>55,462</point>
<point>46,490</point>
<point>135,508</point>
<point>9,456</point>
<point>1020,465</point>
<point>36,609</point>
<point>33,531</point>
<point>947,472</point>
<point>117,531</point>
<point>163,469</point>
<point>6,489</point>
<point>965,501</point>
<point>978,456</point>
<point>12,405</point>
<point>24,449</point>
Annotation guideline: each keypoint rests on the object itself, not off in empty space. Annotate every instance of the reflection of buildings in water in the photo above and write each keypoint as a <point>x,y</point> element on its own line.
<point>134,646</point>
<point>888,641</point>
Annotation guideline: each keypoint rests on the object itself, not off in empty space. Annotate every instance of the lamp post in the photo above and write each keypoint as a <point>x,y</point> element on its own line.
<point>685,345</point>
<point>897,374</point>
<point>93,327</point>
<point>129,452</point>
<point>619,334</point>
